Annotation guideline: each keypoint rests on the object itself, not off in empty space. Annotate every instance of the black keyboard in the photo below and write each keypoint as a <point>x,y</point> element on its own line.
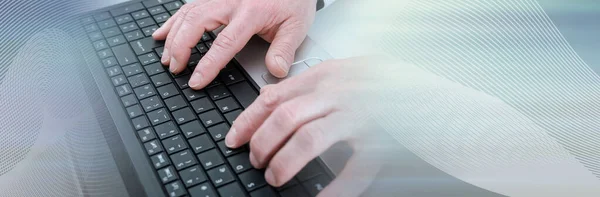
<point>182,130</point>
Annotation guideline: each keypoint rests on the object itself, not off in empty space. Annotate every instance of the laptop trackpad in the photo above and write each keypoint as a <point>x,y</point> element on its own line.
<point>295,69</point>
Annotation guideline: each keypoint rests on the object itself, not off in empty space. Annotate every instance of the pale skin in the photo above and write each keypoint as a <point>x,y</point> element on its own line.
<point>289,124</point>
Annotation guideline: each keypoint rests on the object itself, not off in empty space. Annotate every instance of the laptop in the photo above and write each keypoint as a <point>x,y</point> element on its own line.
<point>173,136</point>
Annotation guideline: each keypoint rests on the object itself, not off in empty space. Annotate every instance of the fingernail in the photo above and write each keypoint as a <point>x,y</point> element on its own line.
<point>195,80</point>
<point>230,138</point>
<point>253,160</point>
<point>173,66</point>
<point>283,65</point>
<point>270,176</point>
<point>165,56</point>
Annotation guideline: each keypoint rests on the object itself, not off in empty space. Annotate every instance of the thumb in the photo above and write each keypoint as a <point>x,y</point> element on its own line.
<point>283,48</point>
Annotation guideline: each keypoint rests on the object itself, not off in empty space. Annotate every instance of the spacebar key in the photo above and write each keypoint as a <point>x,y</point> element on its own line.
<point>244,93</point>
<point>124,54</point>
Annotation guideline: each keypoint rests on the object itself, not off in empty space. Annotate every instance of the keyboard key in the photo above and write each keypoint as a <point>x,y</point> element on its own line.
<point>132,69</point>
<point>213,83</point>
<point>210,159</point>
<point>107,23</point>
<point>161,79</point>
<point>231,76</point>
<point>159,116</point>
<point>175,103</point>
<point>173,6</point>
<point>117,40</point>
<point>175,189</point>
<point>240,162</point>
<point>218,92</point>
<point>201,143</point>
<point>102,16</point>
<point>152,3</point>
<point>202,48</point>
<point>100,44</point>
<point>174,144</point>
<point>167,91</point>
<point>159,51</point>
<point>218,132</point>
<point>243,93</point>
<point>134,111</point>
<point>108,62</point>
<point>264,192</point>
<point>192,129</point>
<point>124,55</point>
<point>182,82</point>
<point>144,45</point>
<point>203,190</point>
<point>191,94</point>
<point>145,22</point>
<point>144,91</point>
<point>232,190</point>
<point>311,169</point>
<point>156,10</point>
<point>253,179</point>
<point>231,116</point>
<point>227,105</point>
<point>126,9</point>
<point>91,28</point>
<point>160,160</point>
<point>152,147</point>
<point>183,115</point>
<point>206,37</point>
<point>146,134</point>
<point>192,176</point>
<point>194,60</point>
<point>124,19</point>
<point>167,174</point>
<point>166,130</point>
<point>118,80</point>
<point>127,27</point>
<point>105,53</point>
<point>138,80</point>
<point>94,36</point>
<point>209,44</point>
<point>148,58</point>
<point>151,103</point>
<point>154,69</point>
<point>296,191</point>
<point>202,105</point>
<point>114,71</point>
<point>289,184</point>
<point>172,12</point>
<point>134,35</point>
<point>210,118</point>
<point>183,159</point>
<point>140,14</point>
<point>162,17</point>
<point>124,90</point>
<point>129,100</point>
<point>148,31</point>
<point>87,20</point>
<point>227,151</point>
<point>110,32</point>
<point>316,184</point>
<point>220,175</point>
<point>182,73</point>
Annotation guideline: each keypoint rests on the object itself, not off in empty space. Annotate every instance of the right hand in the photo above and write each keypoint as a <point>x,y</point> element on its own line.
<point>282,22</point>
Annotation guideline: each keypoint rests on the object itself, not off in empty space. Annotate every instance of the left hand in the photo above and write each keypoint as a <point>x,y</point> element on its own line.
<point>296,120</point>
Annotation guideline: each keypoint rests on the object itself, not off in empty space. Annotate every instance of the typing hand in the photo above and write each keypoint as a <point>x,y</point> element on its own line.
<point>282,22</point>
<point>293,122</point>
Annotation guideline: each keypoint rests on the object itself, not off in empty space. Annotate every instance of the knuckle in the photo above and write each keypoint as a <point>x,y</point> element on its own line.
<point>270,99</point>
<point>285,114</point>
<point>310,139</point>
<point>225,40</point>
<point>256,148</point>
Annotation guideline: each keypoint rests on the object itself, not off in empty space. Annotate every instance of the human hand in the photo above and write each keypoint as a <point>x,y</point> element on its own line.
<point>293,122</point>
<point>282,22</point>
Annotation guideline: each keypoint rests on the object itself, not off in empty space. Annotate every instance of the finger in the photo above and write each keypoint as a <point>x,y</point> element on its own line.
<point>270,97</point>
<point>228,43</point>
<point>189,34</point>
<point>162,32</point>
<point>283,48</point>
<point>354,179</point>
<point>282,124</point>
<point>178,20</point>
<point>308,142</point>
